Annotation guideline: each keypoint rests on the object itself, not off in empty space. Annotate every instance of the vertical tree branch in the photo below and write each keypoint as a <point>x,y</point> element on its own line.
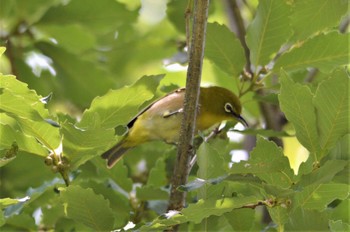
<point>185,147</point>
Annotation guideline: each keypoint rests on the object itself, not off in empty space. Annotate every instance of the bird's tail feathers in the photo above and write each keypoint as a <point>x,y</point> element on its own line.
<point>114,154</point>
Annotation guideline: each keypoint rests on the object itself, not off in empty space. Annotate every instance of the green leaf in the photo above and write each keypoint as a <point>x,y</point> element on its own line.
<point>317,197</point>
<point>5,202</point>
<point>146,193</point>
<point>324,51</point>
<point>23,221</point>
<point>338,226</point>
<point>268,31</point>
<point>211,164</point>
<point>307,220</point>
<point>25,106</point>
<point>84,206</point>
<point>279,215</point>
<point>312,16</point>
<point>205,208</point>
<point>91,14</point>
<point>157,175</point>
<point>119,173</point>
<point>82,145</point>
<point>77,74</point>
<point>72,37</point>
<point>341,211</point>
<point>224,49</point>
<point>268,163</point>
<point>323,174</point>
<point>45,133</point>
<point>2,218</point>
<point>332,108</point>
<point>241,219</point>
<point>117,107</point>
<point>172,11</point>
<point>213,223</point>
<point>2,50</point>
<point>296,103</point>
<point>17,99</point>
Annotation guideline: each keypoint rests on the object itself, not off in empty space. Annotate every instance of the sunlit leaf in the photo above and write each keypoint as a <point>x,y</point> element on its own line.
<point>324,51</point>
<point>17,99</point>
<point>312,16</point>
<point>81,145</point>
<point>4,202</point>
<point>117,107</point>
<point>205,208</point>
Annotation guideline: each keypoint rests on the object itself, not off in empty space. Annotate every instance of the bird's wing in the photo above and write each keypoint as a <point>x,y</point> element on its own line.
<point>166,113</point>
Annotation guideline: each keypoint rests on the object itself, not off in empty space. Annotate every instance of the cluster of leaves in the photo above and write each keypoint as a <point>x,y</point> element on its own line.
<point>286,36</point>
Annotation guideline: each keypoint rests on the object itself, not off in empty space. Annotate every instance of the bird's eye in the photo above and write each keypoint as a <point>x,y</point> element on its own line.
<point>228,108</point>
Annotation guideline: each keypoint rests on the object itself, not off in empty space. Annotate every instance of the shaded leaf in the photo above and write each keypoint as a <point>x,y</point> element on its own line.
<point>268,31</point>
<point>279,215</point>
<point>91,14</point>
<point>332,107</point>
<point>146,193</point>
<point>338,226</point>
<point>268,163</point>
<point>224,49</point>
<point>296,103</point>
<point>307,220</point>
<point>157,175</point>
<point>72,37</point>
<point>317,197</point>
<point>323,174</point>
<point>77,74</point>
<point>241,219</point>
<point>86,207</point>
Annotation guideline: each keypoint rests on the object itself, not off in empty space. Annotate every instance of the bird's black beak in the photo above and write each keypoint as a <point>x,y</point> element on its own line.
<point>241,120</point>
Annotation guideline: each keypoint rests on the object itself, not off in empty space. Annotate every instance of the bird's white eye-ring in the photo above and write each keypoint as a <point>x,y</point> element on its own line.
<point>228,108</point>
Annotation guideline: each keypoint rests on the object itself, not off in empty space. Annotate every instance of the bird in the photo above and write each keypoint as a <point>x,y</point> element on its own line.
<point>161,120</point>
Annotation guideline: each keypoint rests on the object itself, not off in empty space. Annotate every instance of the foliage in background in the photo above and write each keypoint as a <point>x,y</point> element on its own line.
<point>81,69</point>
